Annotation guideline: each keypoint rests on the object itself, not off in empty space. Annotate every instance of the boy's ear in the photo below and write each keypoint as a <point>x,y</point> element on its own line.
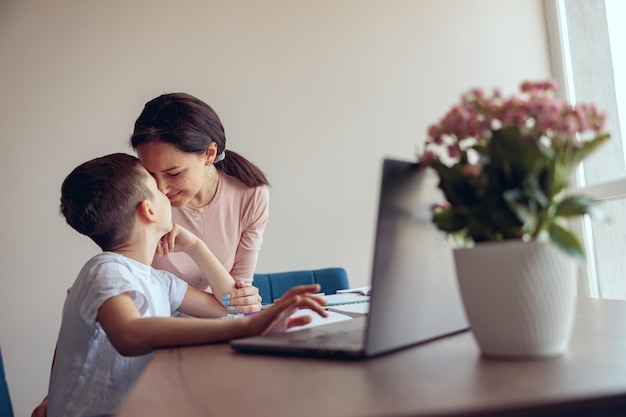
<point>144,210</point>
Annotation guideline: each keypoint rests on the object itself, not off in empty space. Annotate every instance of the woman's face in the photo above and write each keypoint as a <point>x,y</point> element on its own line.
<point>179,175</point>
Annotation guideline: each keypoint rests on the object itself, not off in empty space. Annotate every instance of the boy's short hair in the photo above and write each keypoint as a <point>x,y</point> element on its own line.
<point>99,198</point>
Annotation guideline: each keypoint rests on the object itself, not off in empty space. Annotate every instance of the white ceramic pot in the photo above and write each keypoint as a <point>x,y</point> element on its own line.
<point>519,297</point>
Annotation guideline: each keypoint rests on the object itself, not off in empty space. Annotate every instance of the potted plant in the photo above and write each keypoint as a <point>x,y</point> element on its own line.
<point>503,165</point>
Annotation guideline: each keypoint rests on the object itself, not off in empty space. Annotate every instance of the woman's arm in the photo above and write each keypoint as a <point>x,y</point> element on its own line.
<point>249,246</point>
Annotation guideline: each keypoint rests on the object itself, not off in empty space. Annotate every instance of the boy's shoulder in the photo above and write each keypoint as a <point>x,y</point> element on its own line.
<point>111,258</point>
<point>109,268</point>
<point>114,257</point>
<point>106,263</point>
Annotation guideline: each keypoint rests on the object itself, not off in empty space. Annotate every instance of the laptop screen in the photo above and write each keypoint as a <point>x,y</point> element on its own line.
<point>414,294</point>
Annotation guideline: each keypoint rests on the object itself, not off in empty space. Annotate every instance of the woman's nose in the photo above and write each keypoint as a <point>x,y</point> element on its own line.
<point>161,185</point>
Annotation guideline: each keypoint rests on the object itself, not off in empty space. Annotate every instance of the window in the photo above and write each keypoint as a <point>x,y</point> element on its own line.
<point>591,68</point>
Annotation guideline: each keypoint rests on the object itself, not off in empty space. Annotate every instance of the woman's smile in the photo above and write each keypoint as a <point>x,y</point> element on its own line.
<point>174,196</point>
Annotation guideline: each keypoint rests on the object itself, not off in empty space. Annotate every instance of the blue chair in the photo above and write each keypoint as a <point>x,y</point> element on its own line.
<point>273,286</point>
<point>6,409</point>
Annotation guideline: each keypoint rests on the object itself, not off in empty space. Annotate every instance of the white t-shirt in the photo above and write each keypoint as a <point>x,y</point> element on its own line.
<point>89,376</point>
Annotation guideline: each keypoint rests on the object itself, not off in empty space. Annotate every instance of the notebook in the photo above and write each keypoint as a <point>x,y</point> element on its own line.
<point>414,295</point>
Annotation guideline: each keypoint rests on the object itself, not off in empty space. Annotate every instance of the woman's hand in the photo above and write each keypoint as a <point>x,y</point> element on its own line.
<point>244,299</point>
<point>277,319</point>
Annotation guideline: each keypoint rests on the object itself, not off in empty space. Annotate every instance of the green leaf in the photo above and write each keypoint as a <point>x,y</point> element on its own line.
<point>518,204</point>
<point>535,189</point>
<point>588,147</point>
<point>516,154</point>
<point>577,205</point>
<point>449,220</point>
<point>567,241</point>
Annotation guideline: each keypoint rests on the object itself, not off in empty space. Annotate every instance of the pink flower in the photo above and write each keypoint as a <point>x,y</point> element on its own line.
<point>454,151</point>
<point>536,112</point>
<point>535,86</point>
<point>428,157</point>
<point>550,85</point>
<point>472,170</point>
<point>433,131</point>
<point>544,132</point>
<point>569,124</point>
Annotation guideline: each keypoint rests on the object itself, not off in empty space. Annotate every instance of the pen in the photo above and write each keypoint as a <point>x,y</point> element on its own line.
<point>238,315</point>
<point>320,294</point>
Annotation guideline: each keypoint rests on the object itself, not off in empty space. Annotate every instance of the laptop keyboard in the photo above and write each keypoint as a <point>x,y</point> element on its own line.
<point>352,337</point>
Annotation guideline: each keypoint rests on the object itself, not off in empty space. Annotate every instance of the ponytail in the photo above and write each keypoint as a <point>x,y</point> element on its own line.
<point>239,167</point>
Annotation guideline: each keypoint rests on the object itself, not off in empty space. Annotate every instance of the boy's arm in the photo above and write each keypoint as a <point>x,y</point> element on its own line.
<point>198,303</point>
<point>131,334</point>
<point>220,280</point>
<point>180,239</point>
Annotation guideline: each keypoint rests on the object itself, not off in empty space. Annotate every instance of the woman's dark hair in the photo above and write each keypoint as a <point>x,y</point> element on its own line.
<point>99,198</point>
<point>191,125</point>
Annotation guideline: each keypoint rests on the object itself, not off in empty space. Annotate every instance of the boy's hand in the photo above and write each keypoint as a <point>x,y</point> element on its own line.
<point>277,319</point>
<point>178,239</point>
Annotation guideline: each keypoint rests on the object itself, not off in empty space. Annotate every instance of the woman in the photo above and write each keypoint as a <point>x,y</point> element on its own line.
<point>216,193</point>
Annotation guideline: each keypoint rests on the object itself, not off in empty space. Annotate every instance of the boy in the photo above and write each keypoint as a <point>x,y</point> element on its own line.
<point>119,308</point>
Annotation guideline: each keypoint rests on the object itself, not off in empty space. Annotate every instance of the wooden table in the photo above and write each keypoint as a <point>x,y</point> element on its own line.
<point>446,377</point>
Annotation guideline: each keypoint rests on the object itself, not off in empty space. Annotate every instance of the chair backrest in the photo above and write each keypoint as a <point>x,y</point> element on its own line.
<point>274,285</point>
<point>6,409</point>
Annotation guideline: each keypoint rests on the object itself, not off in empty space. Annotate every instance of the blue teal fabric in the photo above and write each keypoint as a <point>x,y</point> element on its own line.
<point>274,285</point>
<point>6,409</point>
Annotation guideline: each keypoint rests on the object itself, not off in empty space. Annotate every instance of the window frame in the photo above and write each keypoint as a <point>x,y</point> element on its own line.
<point>557,27</point>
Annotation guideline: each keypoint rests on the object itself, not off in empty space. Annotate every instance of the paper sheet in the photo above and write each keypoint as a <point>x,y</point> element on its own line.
<point>318,320</point>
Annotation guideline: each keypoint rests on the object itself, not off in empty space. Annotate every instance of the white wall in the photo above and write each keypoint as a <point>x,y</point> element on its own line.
<point>315,92</point>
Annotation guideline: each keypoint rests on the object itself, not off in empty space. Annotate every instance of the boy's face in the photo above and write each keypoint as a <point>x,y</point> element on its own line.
<point>161,204</point>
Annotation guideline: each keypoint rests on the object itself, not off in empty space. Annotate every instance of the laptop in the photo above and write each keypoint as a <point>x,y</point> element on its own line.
<point>414,293</point>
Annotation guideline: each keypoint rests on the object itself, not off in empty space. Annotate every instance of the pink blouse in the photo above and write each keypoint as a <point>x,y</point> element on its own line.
<point>231,225</point>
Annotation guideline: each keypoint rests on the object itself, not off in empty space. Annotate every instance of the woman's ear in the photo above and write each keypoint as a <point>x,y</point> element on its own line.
<point>211,153</point>
<point>144,210</point>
